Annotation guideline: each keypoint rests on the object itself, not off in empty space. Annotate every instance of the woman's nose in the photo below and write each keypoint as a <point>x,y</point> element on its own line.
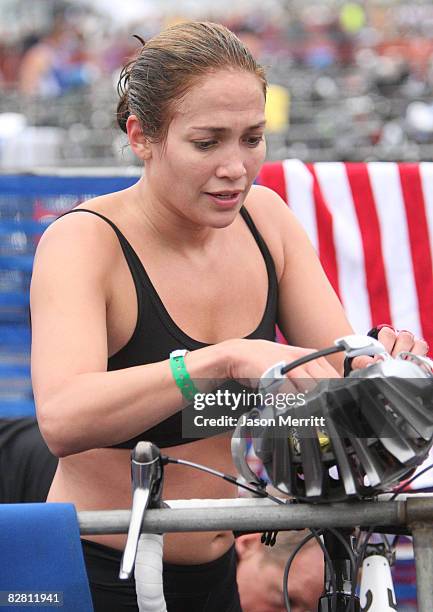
<point>232,168</point>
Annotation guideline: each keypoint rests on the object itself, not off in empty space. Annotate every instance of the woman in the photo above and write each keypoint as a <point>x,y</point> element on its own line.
<point>191,257</point>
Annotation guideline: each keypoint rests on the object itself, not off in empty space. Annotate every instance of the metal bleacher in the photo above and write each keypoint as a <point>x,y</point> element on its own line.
<point>28,204</point>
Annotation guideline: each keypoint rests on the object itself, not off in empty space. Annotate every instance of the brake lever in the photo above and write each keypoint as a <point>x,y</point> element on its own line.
<point>147,478</point>
<point>356,344</point>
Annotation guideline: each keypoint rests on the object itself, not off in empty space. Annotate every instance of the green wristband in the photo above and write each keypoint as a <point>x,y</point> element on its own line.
<point>180,374</point>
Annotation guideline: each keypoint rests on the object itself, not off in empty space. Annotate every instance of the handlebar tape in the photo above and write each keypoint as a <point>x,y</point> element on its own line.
<point>148,573</point>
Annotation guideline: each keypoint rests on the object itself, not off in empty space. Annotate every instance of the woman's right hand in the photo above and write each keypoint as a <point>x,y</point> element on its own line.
<point>249,359</point>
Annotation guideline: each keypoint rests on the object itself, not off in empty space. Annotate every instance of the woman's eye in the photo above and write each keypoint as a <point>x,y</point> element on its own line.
<point>204,145</point>
<point>254,141</point>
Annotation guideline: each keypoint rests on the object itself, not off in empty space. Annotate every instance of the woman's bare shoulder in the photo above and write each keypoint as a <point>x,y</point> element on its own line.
<point>274,215</point>
<point>82,238</point>
<point>273,219</point>
<point>267,204</point>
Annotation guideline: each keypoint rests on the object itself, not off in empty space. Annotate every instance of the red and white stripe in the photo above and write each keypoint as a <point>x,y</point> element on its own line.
<point>372,226</point>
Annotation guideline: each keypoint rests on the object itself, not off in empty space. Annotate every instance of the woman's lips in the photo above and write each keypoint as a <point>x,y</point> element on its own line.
<point>227,201</point>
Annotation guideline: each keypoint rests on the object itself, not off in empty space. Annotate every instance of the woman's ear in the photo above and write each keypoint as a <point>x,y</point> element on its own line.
<point>139,142</point>
<point>248,545</point>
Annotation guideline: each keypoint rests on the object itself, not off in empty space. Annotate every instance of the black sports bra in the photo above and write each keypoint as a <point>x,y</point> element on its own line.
<point>156,334</point>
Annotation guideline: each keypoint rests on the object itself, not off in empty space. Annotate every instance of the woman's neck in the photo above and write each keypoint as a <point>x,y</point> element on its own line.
<point>167,224</point>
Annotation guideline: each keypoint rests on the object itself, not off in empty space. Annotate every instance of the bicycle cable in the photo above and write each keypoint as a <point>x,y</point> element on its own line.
<point>402,487</point>
<point>316,355</point>
<point>314,534</point>
<point>227,477</point>
<point>340,537</point>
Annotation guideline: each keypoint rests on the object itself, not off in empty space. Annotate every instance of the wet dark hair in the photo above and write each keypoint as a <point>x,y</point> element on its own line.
<point>172,62</point>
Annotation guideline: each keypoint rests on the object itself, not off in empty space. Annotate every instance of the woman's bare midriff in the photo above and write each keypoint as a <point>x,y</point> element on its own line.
<point>100,479</point>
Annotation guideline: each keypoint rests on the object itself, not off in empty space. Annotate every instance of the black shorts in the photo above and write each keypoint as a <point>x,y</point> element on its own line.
<point>208,587</point>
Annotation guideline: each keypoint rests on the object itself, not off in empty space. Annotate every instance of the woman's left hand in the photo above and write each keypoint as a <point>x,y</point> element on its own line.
<point>394,342</point>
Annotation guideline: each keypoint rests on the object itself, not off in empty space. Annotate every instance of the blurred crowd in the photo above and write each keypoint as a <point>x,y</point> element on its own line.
<point>349,80</point>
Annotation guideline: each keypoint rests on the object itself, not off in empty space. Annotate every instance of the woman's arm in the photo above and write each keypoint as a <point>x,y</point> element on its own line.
<point>79,404</point>
<point>309,311</point>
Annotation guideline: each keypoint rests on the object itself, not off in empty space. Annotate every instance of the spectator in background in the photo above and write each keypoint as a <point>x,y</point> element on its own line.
<point>26,465</point>
<point>261,569</point>
<point>49,66</point>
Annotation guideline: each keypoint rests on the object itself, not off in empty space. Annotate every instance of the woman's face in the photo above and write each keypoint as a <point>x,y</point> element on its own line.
<point>213,150</point>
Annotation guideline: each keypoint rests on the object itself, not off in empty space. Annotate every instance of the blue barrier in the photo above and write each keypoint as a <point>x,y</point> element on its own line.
<point>16,262</point>
<point>14,299</point>
<point>41,185</point>
<point>28,204</point>
<point>15,337</point>
<point>17,409</point>
<point>14,371</point>
<point>40,547</point>
<point>10,226</point>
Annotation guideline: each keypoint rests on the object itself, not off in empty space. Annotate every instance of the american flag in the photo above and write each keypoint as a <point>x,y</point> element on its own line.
<point>372,227</point>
